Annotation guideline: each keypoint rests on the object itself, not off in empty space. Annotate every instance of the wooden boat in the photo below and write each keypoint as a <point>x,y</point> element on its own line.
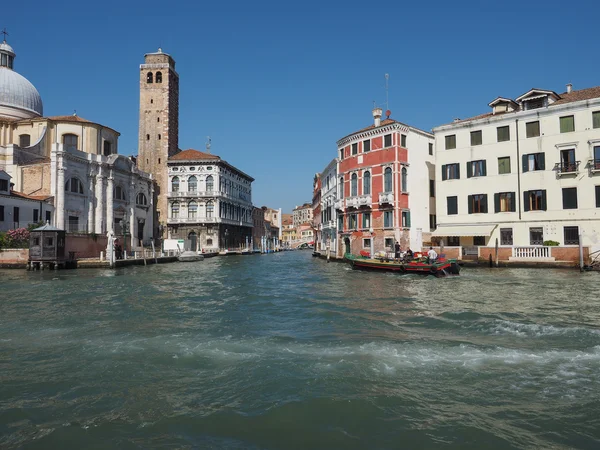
<point>441,267</point>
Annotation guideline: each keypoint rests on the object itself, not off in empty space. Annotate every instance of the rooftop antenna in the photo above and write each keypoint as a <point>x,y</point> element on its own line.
<point>5,33</point>
<point>208,144</point>
<point>387,103</point>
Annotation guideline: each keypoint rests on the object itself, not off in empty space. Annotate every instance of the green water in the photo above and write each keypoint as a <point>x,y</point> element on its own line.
<point>287,351</point>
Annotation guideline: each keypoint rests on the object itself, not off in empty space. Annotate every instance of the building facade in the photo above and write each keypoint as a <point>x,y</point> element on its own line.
<point>524,174</point>
<point>209,202</point>
<point>316,207</point>
<point>329,219</point>
<point>18,210</point>
<point>385,175</point>
<point>302,214</point>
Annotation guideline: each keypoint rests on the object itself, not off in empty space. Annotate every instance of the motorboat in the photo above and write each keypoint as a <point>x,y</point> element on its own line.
<point>189,256</point>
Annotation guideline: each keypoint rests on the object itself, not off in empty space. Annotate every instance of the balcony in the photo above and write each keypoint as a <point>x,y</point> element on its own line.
<point>386,197</point>
<point>358,200</point>
<point>567,168</point>
<point>185,220</point>
<point>338,204</point>
<point>594,165</point>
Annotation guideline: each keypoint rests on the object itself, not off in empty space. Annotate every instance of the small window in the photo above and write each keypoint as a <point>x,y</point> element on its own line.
<point>107,148</point>
<point>36,241</point>
<point>404,180</point>
<point>367,243</point>
<point>571,235</point>
<point>36,215</point>
<point>567,124</point>
<point>450,142</point>
<point>453,241</point>
<point>387,140</point>
<point>450,172</point>
<point>476,138</point>
<point>355,148</point>
<point>192,210</point>
<point>366,220</point>
<point>158,119</point>
<point>503,133</point>
<point>70,141</point>
<point>478,240</point>
<point>367,146</point>
<point>48,242</point>
<point>506,236</point>
<point>24,140</point>
<point>432,188</point>
<point>389,243</point>
<point>476,168</point>
<point>504,165</point>
<point>341,153</point>
<point>452,205</point>
<point>141,199</point>
<point>3,185</point>
<point>367,183</point>
<point>149,79</point>
<point>192,184</point>
<point>354,185</point>
<point>596,119</point>
<point>430,148</point>
<point>406,219</point>
<point>159,137</point>
<point>159,77</point>
<point>48,216</point>
<point>74,185</point>
<point>210,209</point>
<point>175,210</point>
<point>534,161</point>
<point>1,213</point>
<point>432,221</point>
<point>147,137</point>
<point>477,204</point>
<point>119,193</point>
<point>388,221</point>
<point>353,225</point>
<point>597,196</point>
<point>505,202</point>
<point>569,196</point>
<point>151,100</point>
<point>536,236</point>
<point>534,200</point>
<point>209,183</point>
<point>403,140</point>
<point>532,129</point>
<point>175,184</point>
<point>387,180</point>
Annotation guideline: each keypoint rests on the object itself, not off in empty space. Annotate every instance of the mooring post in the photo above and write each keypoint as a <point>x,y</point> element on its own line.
<point>496,252</point>
<point>580,253</point>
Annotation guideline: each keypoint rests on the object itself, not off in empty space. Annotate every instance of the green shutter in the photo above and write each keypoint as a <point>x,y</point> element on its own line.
<point>513,202</point>
<point>497,202</point>
<point>484,207</point>
<point>444,175</point>
<point>596,119</point>
<point>470,203</point>
<point>567,124</point>
<point>525,165</point>
<point>484,168</point>
<point>469,169</point>
<point>526,201</point>
<point>544,208</point>
<point>408,219</point>
<point>542,161</point>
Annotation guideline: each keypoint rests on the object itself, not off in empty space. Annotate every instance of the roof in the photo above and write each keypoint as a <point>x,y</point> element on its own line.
<point>47,227</point>
<point>30,197</point>
<point>192,155</point>
<point>71,118</point>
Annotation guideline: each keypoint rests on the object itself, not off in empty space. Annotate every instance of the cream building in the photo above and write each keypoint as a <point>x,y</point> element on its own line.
<point>524,173</point>
<point>329,218</point>
<point>302,214</point>
<point>74,160</point>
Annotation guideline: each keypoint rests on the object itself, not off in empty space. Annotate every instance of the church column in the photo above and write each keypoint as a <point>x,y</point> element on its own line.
<point>149,227</point>
<point>91,202</point>
<point>99,202</point>
<point>60,195</point>
<point>133,219</point>
<point>110,216</point>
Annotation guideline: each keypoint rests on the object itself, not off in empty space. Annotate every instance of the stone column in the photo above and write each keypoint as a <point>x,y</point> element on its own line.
<point>91,228</point>
<point>133,219</point>
<point>100,218</point>
<point>110,216</point>
<point>60,195</point>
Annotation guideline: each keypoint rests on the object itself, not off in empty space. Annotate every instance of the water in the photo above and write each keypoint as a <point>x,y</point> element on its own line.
<point>287,351</point>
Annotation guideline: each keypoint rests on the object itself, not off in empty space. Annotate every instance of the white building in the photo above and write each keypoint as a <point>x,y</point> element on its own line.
<point>18,210</point>
<point>329,190</point>
<point>525,173</point>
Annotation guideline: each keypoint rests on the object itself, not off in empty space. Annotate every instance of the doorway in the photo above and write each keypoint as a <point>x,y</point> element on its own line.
<point>193,237</point>
<point>347,245</point>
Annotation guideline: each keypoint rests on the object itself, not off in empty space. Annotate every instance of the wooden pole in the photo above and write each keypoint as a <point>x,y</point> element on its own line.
<point>496,252</point>
<point>580,253</point>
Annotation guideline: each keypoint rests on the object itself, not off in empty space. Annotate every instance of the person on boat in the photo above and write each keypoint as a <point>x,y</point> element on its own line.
<point>431,255</point>
<point>409,255</point>
<point>397,251</point>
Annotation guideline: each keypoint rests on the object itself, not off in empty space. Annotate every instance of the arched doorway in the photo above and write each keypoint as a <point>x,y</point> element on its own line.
<point>347,246</point>
<point>193,237</point>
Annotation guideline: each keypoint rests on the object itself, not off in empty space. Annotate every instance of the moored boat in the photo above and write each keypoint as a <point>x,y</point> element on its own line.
<point>189,256</point>
<point>440,267</point>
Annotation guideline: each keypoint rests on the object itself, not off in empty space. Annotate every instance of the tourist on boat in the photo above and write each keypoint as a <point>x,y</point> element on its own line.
<point>409,255</point>
<point>397,251</point>
<point>431,255</point>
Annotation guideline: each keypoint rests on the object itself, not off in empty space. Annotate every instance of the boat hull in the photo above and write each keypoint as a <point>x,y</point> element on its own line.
<point>438,269</point>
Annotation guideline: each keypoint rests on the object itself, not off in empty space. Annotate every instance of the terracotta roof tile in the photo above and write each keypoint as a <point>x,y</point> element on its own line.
<point>69,119</point>
<point>30,197</point>
<point>192,155</point>
<point>575,96</point>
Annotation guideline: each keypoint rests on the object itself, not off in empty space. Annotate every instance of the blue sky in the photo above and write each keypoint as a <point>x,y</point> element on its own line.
<point>276,84</point>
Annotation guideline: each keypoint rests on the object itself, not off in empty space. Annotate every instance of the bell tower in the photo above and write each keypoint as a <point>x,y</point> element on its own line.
<point>159,124</point>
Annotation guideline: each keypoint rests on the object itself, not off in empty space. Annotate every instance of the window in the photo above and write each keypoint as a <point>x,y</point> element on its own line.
<point>403,140</point>
<point>149,77</point>
<point>476,168</point>
<point>24,140</point>
<point>75,186</point>
<point>367,243</point>
<point>192,210</point>
<point>69,141</point>
<point>432,221</point>
<point>452,205</point>
<point>158,119</point>
<point>175,210</point>
<point>478,204</point>
<point>36,215</point>
<point>406,219</point>
<point>505,202</point>
<point>355,148</point>
<point>16,214</point>
<point>535,103</point>
<point>453,241</point>
<point>536,236</point>
<point>569,197</point>
<point>107,148</point>
<point>367,146</point>
<point>1,213</point>
<point>506,236</point>
<point>210,209</point>
<point>534,200</point>
<point>567,161</point>
<point>340,223</point>
<point>596,119</point>
<point>73,223</point>
<point>430,148</point>
<point>571,235</point>
<point>504,165</point>
<point>341,153</point>
<point>141,200</point>
<point>387,140</point>
<point>159,77</point>
<point>367,183</point>
<point>48,242</point>
<point>209,183</point>
<point>389,243</point>
<point>341,188</point>
<point>597,196</point>
<point>476,137</point>
<point>3,185</point>
<point>175,184</point>
<point>353,225</point>
<point>532,129</point>
<point>119,193</point>
<point>404,180</point>
<point>567,124</point>
<point>159,137</point>
<point>478,240</point>
<point>147,137</point>
<point>354,185</point>
<point>432,188</point>
<point>451,172</point>
<point>388,220</point>
<point>48,216</point>
<point>366,220</point>
<point>596,161</point>
<point>503,133</point>
<point>387,180</point>
<point>192,184</point>
<point>450,142</point>
<point>534,161</point>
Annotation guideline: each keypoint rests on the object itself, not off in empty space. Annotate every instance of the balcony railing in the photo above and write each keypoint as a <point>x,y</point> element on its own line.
<point>563,168</point>
<point>357,201</point>
<point>386,197</point>
<point>338,204</point>
<point>531,252</point>
<point>594,165</point>
<point>197,194</point>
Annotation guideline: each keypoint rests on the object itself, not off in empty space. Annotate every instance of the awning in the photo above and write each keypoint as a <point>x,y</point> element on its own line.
<point>464,230</point>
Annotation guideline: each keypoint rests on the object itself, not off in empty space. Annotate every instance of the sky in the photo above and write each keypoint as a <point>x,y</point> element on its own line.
<point>276,84</point>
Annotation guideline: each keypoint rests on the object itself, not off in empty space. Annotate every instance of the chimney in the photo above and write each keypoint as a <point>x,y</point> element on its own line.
<point>569,88</point>
<point>377,116</point>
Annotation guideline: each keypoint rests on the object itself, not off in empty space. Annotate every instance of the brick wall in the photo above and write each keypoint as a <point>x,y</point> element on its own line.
<point>35,179</point>
<point>503,253</point>
<point>85,246</point>
<point>570,254</point>
<point>14,256</point>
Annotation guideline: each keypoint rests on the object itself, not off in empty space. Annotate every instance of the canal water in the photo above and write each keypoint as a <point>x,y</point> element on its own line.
<point>286,351</point>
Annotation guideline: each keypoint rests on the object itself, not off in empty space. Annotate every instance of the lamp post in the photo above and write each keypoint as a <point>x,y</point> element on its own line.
<point>124,225</point>
<point>161,230</point>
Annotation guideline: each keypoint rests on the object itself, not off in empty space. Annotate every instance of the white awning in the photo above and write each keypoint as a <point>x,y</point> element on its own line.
<point>464,230</point>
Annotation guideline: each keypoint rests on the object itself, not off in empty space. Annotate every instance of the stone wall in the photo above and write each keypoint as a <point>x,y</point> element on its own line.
<point>35,179</point>
<point>14,257</point>
<point>86,245</point>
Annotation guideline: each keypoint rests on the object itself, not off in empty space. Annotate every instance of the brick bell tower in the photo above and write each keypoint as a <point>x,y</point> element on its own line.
<point>159,125</point>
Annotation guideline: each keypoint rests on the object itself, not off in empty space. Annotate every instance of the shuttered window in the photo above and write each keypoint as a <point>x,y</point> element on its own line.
<point>476,138</point>
<point>569,198</point>
<point>532,129</point>
<point>596,119</point>
<point>567,124</point>
<point>450,142</point>
<point>452,205</point>
<point>503,134</point>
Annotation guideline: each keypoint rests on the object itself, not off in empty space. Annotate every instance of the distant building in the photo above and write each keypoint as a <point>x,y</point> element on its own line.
<point>303,214</point>
<point>288,231</point>
<point>316,208</point>
<point>18,210</point>
<point>258,227</point>
<point>329,194</point>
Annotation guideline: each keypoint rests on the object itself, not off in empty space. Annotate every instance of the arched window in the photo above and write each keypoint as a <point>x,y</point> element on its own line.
<point>149,77</point>
<point>209,183</point>
<point>387,180</point>
<point>341,187</point>
<point>119,193</point>
<point>404,181</point>
<point>24,140</point>
<point>159,77</point>
<point>210,209</point>
<point>141,199</point>
<point>175,210</point>
<point>354,185</point>
<point>175,184</point>
<point>367,183</point>
<point>192,184</point>
<point>70,141</point>
<point>192,210</point>
<point>74,185</point>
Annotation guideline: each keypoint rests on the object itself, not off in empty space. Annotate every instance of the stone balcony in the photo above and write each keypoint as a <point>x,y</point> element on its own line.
<point>386,197</point>
<point>358,200</point>
<point>339,204</point>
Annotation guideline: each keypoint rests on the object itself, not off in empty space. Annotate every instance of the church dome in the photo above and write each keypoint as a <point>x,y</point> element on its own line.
<point>19,99</point>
